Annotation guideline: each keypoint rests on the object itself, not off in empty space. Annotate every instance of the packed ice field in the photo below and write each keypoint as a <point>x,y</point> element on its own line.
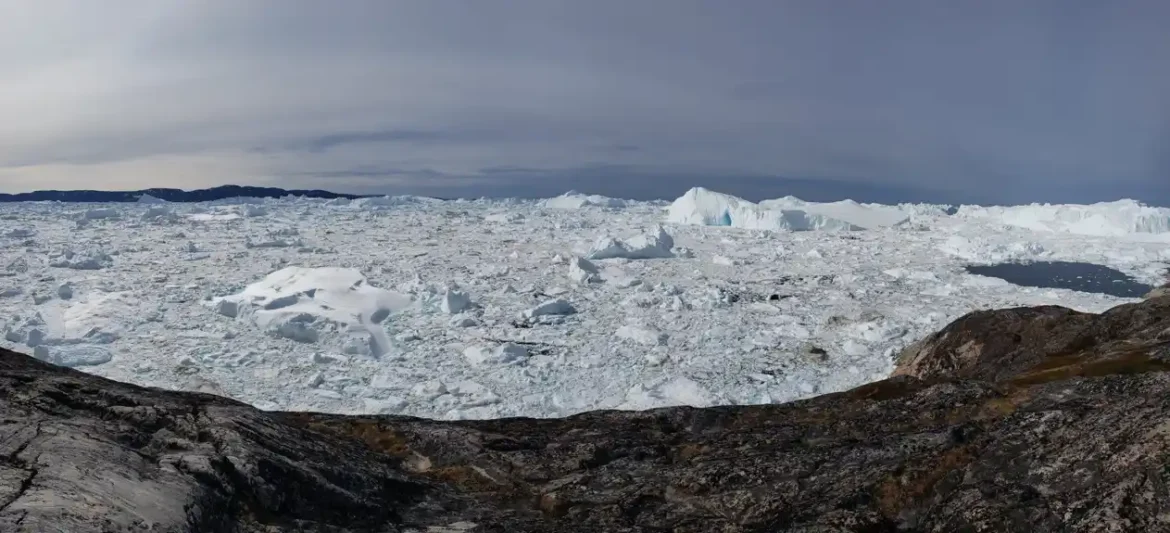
<point>492,308</point>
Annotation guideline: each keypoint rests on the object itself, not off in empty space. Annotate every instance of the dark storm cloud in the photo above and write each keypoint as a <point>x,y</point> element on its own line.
<point>993,101</point>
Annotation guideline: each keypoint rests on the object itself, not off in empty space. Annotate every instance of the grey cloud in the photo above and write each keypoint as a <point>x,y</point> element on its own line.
<point>377,172</point>
<point>332,140</point>
<point>1000,100</point>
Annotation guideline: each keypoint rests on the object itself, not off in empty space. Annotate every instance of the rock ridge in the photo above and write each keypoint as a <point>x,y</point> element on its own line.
<point>1026,419</point>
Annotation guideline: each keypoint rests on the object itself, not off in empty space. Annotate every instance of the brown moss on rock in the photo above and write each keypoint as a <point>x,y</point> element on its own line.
<point>1068,367</point>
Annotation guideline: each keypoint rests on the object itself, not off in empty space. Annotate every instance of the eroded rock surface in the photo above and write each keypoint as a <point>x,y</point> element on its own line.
<point>1013,420</point>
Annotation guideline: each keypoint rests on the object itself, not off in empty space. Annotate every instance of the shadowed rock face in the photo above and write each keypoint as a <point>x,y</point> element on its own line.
<point>1013,420</point>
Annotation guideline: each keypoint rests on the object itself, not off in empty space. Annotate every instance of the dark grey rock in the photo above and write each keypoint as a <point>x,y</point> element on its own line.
<point>1031,420</point>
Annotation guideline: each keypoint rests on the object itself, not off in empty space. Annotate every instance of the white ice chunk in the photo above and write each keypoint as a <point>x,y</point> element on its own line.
<point>112,313</point>
<point>722,260</point>
<point>454,302</point>
<point>868,216</point>
<point>504,218</point>
<point>575,200</point>
<point>94,261</point>
<point>503,354</point>
<point>75,355</point>
<point>228,308</point>
<point>643,336</point>
<point>672,392</point>
<point>700,206</point>
<point>100,213</point>
<point>388,405</point>
<point>1122,217</point>
<point>655,245</point>
<point>250,210</point>
<point>291,302</point>
<point>583,271</point>
<point>551,307</point>
<point>429,389</point>
<point>463,322</point>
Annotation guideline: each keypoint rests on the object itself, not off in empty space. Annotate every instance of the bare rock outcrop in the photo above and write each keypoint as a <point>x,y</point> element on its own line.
<point>1032,420</point>
<point>1003,344</point>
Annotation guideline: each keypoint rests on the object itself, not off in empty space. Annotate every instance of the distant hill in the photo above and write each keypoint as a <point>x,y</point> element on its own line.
<point>170,195</point>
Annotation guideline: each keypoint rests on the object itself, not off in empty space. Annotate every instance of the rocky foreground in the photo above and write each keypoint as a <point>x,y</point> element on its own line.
<point>1031,419</point>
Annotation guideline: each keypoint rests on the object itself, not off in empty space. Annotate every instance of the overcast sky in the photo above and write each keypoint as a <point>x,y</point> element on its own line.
<point>978,101</point>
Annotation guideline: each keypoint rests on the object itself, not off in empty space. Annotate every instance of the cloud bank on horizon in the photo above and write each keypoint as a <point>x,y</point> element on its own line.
<point>996,101</point>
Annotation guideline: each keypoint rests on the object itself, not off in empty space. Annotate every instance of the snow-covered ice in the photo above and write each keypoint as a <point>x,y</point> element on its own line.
<point>490,308</point>
<point>655,245</point>
<point>1120,218</point>
<point>868,216</point>
<point>454,302</point>
<point>703,207</point>
<point>644,336</point>
<point>576,200</point>
<point>298,303</point>
<point>74,355</point>
<point>551,308</point>
<point>582,270</point>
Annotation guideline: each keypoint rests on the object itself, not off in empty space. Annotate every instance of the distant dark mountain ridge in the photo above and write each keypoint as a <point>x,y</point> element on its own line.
<point>171,195</point>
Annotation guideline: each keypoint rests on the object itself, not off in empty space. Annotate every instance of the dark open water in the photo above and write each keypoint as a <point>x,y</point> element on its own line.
<point>1083,277</point>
